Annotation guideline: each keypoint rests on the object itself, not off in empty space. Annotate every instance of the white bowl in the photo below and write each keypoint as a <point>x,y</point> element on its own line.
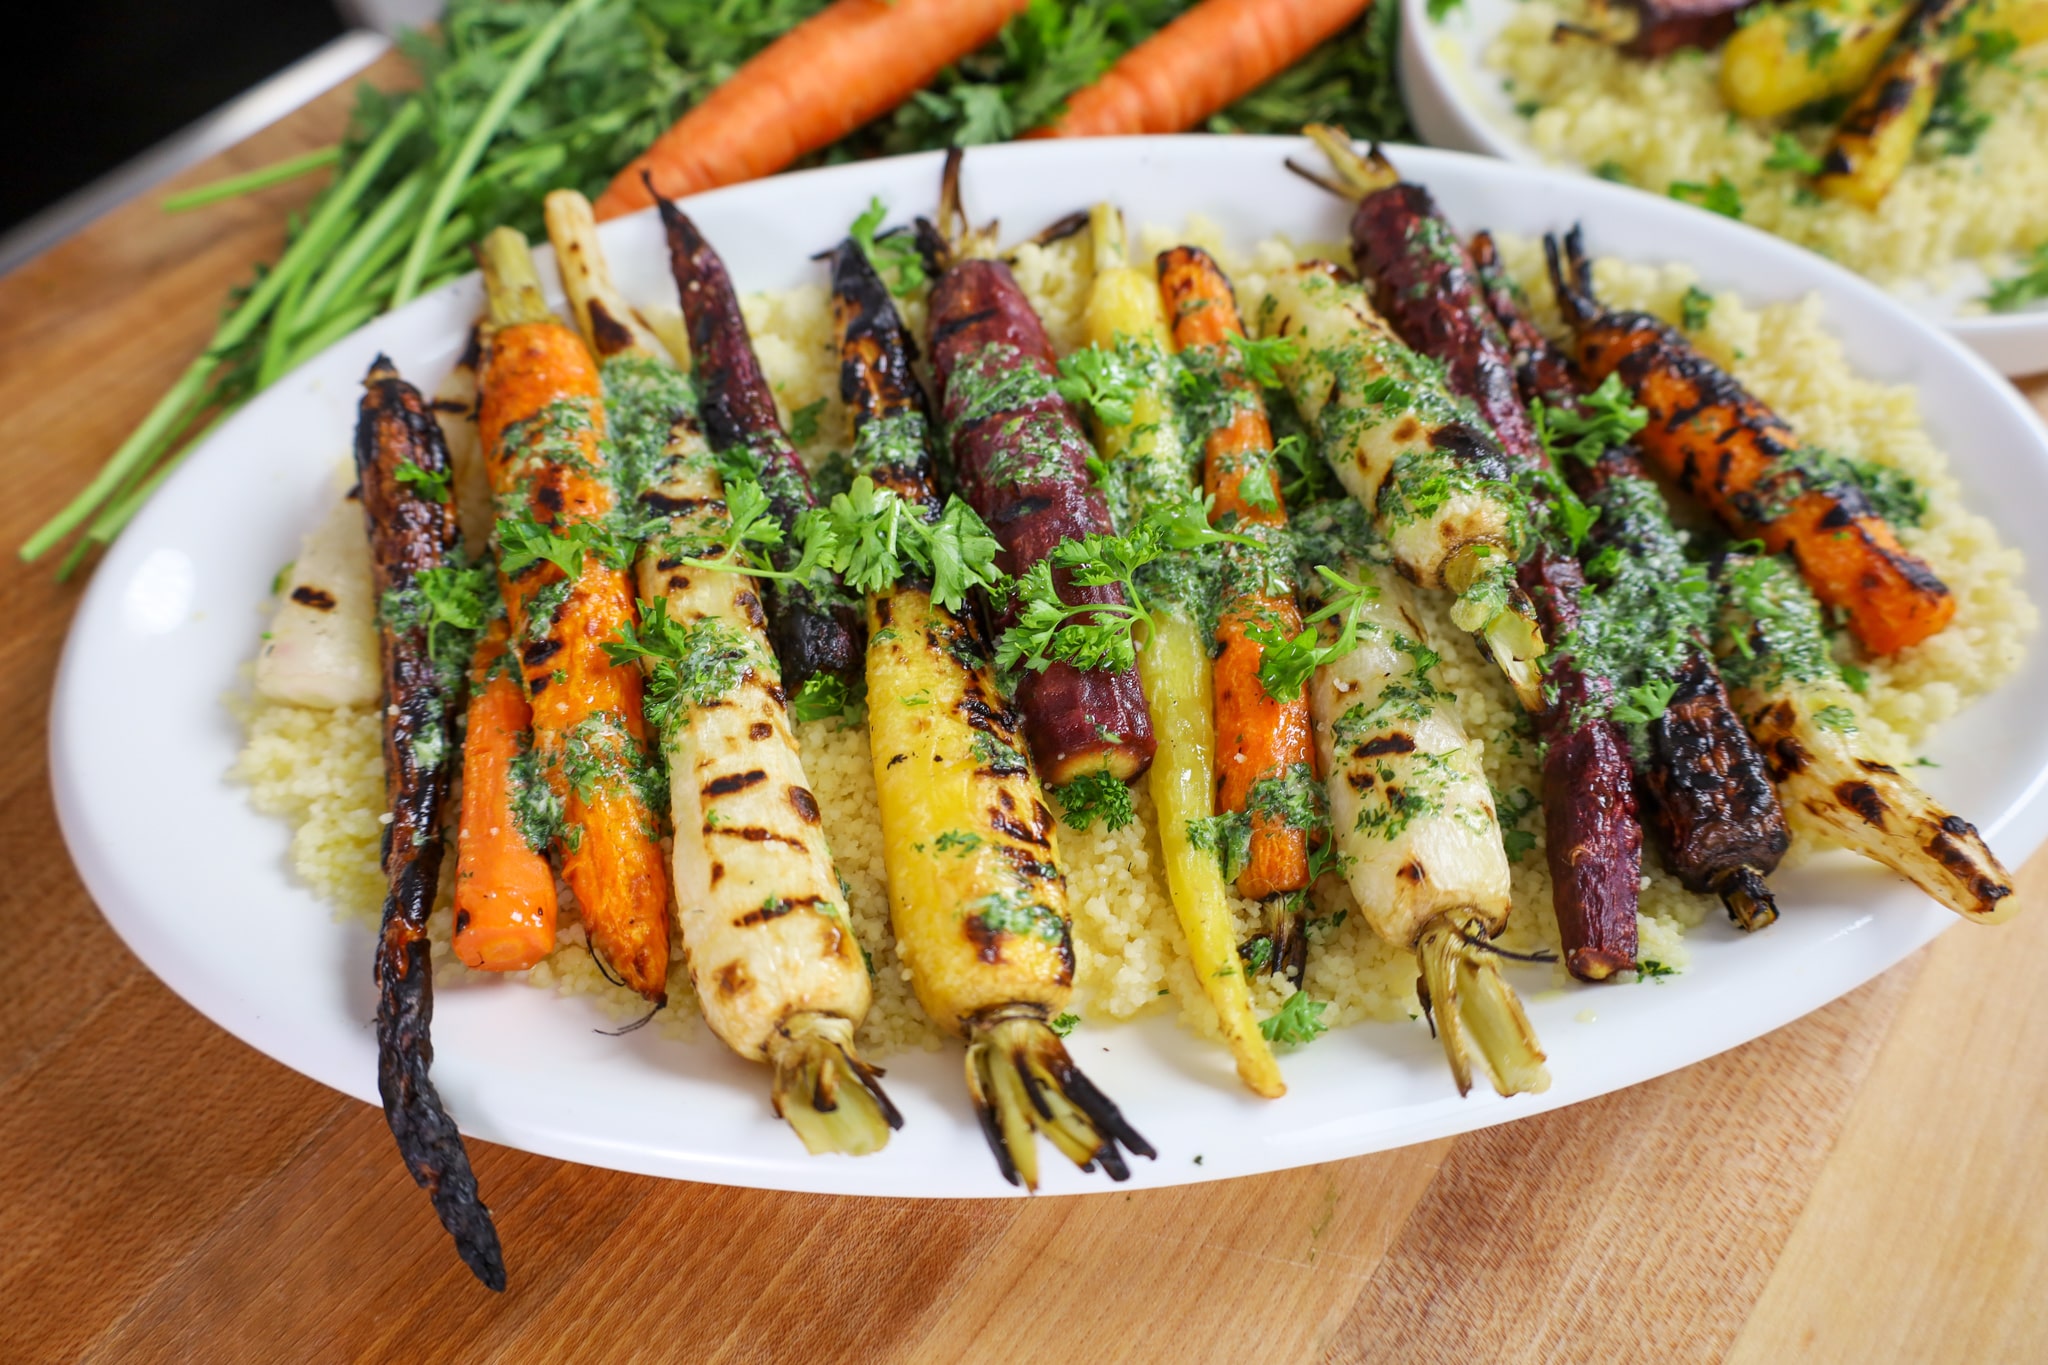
<point>197,884</point>
<point>1457,102</point>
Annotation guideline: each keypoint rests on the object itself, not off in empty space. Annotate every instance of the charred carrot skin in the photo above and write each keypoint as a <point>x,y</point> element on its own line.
<point>1428,286</point>
<point>542,427</point>
<point>1702,784</point>
<point>1022,465</point>
<point>816,626</point>
<point>1592,838</point>
<point>1258,738</point>
<point>1723,446</point>
<point>411,533</point>
<point>505,904</point>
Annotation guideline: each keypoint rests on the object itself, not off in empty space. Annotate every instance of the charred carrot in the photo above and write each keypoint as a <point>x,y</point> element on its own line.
<point>1021,457</point>
<point>504,889</point>
<point>853,62</point>
<point>1725,447</point>
<point>1260,738</point>
<point>413,534</point>
<point>1206,59</point>
<point>542,426</point>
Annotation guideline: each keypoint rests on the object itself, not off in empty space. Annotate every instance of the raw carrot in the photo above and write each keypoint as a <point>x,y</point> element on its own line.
<point>827,76</point>
<point>1259,738</point>
<point>504,890</point>
<point>1207,59</point>
<point>542,425</point>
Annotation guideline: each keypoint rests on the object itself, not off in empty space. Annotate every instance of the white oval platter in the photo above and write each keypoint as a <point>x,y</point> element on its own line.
<point>197,883</point>
<point>1457,102</point>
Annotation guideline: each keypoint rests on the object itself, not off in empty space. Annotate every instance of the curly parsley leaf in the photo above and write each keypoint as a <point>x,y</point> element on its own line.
<point>1101,381</point>
<point>1720,196</point>
<point>1644,702</point>
<point>1287,662</point>
<point>894,255</point>
<point>1262,357</point>
<point>1607,417</point>
<point>1298,1021</point>
<point>435,485</point>
<point>873,538</point>
<point>523,541</point>
<point>1100,794</point>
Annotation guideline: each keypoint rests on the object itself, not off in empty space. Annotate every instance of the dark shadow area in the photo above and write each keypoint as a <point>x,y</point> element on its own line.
<point>97,81</point>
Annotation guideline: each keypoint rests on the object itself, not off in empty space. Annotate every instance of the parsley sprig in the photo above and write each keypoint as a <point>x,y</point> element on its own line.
<point>1049,630</point>
<point>1298,1021</point>
<point>1287,661</point>
<point>872,538</point>
<point>1105,382</point>
<point>522,540</point>
<point>894,255</point>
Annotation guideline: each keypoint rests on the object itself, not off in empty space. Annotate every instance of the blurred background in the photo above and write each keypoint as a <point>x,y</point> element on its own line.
<point>112,79</point>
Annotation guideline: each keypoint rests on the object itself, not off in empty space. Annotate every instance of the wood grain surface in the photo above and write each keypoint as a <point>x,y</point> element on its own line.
<point>1867,1184</point>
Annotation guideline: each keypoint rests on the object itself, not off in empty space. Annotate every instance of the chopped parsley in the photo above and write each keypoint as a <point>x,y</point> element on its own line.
<point>688,664</point>
<point>1693,311</point>
<point>1105,382</point>
<point>2028,286</point>
<point>1064,1024</point>
<point>1720,196</point>
<point>822,697</point>
<point>523,541</point>
<point>803,423</point>
<point>1287,662</point>
<point>1788,153</point>
<point>1836,717</point>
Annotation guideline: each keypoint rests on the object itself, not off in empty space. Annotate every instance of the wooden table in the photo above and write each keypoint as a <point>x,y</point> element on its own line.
<point>1869,1183</point>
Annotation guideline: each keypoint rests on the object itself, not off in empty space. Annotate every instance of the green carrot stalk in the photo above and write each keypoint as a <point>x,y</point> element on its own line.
<point>376,243</point>
<point>177,406</point>
<point>262,178</point>
<point>488,121</point>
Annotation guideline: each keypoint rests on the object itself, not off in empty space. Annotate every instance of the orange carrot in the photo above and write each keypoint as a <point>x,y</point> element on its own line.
<point>1257,737</point>
<point>850,63</point>
<point>1210,57</point>
<point>542,426</point>
<point>504,889</point>
<point>1724,446</point>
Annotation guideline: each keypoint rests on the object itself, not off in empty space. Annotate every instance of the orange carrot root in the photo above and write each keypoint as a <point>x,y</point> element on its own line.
<point>504,890</point>
<point>1207,59</point>
<point>844,66</point>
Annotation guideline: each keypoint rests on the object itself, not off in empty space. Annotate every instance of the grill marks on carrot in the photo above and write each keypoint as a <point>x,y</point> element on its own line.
<point>1258,736</point>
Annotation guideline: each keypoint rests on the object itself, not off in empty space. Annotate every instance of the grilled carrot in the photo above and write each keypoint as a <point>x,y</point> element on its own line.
<point>1205,60</point>
<point>1259,738</point>
<point>1773,64</point>
<point>1022,460</point>
<point>1775,658</point>
<point>853,62</point>
<point>542,426</point>
<point>410,534</point>
<point>816,623</point>
<point>767,933</point>
<point>1722,445</point>
<point>976,895</point>
<point>1875,138</point>
<point>1152,469</point>
<point>504,889</point>
<point>1702,784</point>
